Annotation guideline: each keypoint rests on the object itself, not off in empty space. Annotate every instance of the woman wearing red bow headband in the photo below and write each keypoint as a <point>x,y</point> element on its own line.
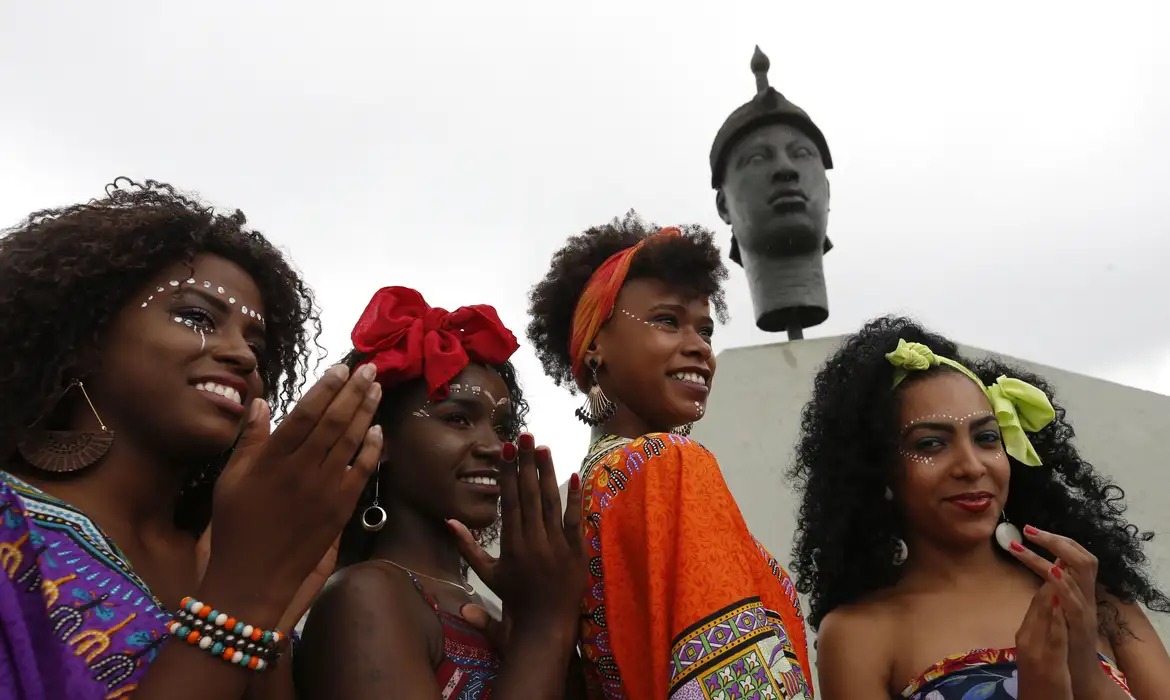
<point>682,601</point>
<point>389,624</point>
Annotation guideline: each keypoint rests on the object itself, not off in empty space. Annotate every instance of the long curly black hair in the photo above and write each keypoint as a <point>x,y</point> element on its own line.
<point>66,272</point>
<point>691,263</point>
<point>845,538</point>
<point>357,544</point>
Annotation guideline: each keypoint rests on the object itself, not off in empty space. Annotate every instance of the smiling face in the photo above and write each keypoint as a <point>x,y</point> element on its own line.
<point>775,192</point>
<point>953,471</point>
<point>178,363</point>
<point>656,356</point>
<point>442,455</point>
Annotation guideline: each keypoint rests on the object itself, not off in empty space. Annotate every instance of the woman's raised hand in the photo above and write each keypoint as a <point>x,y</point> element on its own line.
<point>1042,650</point>
<point>1073,579</point>
<point>542,570</point>
<point>284,498</point>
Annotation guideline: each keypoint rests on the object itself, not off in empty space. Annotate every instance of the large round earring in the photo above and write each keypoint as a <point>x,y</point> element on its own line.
<point>374,516</point>
<point>64,451</point>
<point>1006,533</point>
<point>597,408</point>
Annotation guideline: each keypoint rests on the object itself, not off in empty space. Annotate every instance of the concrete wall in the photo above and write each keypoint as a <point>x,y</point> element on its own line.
<point>753,420</point>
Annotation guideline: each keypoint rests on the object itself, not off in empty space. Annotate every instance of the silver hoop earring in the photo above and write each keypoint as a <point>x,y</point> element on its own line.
<point>374,516</point>
<point>901,551</point>
<point>1006,533</point>
<point>597,408</point>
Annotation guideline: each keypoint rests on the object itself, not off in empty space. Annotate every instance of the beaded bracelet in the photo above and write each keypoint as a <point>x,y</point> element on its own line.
<point>219,642</point>
<point>220,619</point>
<point>236,643</point>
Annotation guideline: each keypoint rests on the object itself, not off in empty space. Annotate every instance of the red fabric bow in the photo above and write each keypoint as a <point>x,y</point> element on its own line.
<point>404,338</point>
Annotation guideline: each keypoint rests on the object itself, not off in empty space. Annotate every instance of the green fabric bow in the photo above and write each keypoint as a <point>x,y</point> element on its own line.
<point>1018,406</point>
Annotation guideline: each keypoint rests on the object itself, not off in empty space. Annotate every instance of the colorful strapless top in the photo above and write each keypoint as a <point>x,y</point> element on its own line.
<point>988,674</point>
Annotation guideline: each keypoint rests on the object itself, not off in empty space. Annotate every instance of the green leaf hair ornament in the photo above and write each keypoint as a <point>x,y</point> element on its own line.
<point>1019,407</point>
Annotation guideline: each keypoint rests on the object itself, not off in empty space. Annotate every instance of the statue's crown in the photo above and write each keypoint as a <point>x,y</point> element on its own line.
<point>768,106</point>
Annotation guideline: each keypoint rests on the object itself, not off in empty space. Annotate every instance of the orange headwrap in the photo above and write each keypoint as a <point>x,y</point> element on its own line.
<point>599,297</point>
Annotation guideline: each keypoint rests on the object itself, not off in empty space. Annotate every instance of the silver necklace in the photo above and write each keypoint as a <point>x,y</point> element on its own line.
<point>465,587</point>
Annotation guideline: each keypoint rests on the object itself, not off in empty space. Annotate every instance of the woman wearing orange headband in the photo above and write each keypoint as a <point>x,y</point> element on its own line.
<point>682,602</point>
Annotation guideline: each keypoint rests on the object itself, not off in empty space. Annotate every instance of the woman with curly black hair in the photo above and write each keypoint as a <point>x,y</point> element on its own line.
<point>390,624</point>
<point>914,465</point>
<point>144,335</point>
<point>683,602</point>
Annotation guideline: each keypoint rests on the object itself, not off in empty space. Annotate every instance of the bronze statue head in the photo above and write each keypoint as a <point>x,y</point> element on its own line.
<point>768,165</point>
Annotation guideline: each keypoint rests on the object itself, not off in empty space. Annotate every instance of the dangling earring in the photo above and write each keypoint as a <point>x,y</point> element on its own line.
<point>1006,533</point>
<point>597,408</point>
<point>64,451</point>
<point>374,517</point>
<point>901,551</point>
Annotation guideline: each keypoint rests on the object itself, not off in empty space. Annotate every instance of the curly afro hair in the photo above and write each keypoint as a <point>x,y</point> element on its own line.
<point>65,273</point>
<point>845,538</point>
<point>690,262</point>
<point>357,544</point>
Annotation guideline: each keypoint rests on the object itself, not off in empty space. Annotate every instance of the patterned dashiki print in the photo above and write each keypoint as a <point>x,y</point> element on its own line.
<point>683,602</point>
<point>75,621</point>
<point>468,664</point>
<point>986,674</point>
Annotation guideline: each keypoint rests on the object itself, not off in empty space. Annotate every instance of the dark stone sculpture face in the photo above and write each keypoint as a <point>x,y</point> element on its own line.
<point>775,193</point>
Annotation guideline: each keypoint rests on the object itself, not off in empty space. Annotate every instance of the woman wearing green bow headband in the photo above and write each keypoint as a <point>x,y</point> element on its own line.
<point>914,463</point>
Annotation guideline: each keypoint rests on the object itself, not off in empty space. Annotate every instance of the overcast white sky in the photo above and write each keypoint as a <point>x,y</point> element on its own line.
<point>1001,166</point>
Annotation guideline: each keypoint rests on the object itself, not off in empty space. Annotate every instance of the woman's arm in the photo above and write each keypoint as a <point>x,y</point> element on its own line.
<point>851,662</point>
<point>364,639</point>
<point>1141,656</point>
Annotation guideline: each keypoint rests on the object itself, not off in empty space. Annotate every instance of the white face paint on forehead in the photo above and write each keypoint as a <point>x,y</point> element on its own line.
<point>946,416</point>
<point>175,286</point>
<point>470,390</point>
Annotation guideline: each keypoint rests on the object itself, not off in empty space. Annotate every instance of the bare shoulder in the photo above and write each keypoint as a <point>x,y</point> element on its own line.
<point>361,594</point>
<point>366,632</point>
<point>867,623</point>
<point>854,650</point>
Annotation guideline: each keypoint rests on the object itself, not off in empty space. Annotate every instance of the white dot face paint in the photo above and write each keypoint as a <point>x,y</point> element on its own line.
<point>207,284</point>
<point>638,318</point>
<point>941,418</point>
<point>498,406</point>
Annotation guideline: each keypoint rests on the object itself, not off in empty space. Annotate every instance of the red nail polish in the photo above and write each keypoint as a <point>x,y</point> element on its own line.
<point>1017,547</point>
<point>574,481</point>
<point>508,452</point>
<point>1028,529</point>
<point>1057,572</point>
<point>527,442</point>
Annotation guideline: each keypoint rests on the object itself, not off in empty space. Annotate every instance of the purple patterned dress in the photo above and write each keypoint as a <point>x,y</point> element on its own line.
<point>76,623</point>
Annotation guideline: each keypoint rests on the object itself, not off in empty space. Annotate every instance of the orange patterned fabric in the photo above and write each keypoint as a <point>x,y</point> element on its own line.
<point>598,298</point>
<point>684,603</point>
